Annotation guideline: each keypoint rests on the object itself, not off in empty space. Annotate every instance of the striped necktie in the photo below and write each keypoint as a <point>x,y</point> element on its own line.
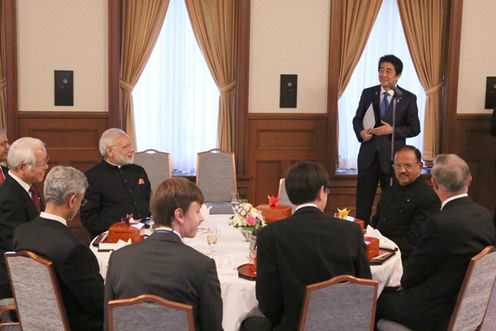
<point>384,105</point>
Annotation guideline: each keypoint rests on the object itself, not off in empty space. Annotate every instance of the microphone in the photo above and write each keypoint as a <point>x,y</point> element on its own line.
<point>397,91</point>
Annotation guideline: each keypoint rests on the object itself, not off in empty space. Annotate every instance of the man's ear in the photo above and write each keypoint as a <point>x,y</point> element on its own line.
<point>322,193</point>
<point>72,200</point>
<point>435,185</point>
<point>179,215</point>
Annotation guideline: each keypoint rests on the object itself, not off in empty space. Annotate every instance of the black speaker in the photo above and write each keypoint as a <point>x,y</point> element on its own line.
<point>64,88</point>
<point>288,93</point>
<point>490,93</point>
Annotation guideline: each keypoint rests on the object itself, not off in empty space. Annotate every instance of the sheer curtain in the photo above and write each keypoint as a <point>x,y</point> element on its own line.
<point>176,101</point>
<point>387,37</point>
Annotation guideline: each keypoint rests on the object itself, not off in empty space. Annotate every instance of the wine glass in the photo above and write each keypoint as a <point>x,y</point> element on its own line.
<point>235,201</point>
<point>212,238</point>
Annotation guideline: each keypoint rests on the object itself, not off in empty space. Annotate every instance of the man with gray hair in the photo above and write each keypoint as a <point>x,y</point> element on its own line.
<point>20,202</point>
<point>434,273</point>
<point>76,267</point>
<point>4,150</point>
<point>117,187</point>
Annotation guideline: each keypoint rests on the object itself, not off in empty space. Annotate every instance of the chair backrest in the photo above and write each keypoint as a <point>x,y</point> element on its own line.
<point>283,195</point>
<point>345,302</point>
<point>158,165</point>
<point>473,298</point>
<point>36,292</point>
<point>149,312</point>
<point>216,175</point>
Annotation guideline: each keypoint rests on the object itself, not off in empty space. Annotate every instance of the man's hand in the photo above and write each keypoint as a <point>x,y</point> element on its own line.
<point>366,134</point>
<point>382,130</point>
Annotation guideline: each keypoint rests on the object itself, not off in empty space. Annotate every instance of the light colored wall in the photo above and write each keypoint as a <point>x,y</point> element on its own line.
<point>289,37</point>
<point>62,35</point>
<point>477,54</point>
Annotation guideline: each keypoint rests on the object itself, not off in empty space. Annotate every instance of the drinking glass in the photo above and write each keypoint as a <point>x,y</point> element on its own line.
<point>235,201</point>
<point>212,238</point>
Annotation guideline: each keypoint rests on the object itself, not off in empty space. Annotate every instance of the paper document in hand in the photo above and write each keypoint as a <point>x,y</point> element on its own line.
<point>369,118</point>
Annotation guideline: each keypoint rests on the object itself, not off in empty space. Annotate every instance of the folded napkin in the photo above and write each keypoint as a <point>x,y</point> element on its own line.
<point>205,211</point>
<point>384,242</point>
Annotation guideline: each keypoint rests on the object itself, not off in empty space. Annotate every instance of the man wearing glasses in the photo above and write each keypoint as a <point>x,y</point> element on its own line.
<point>405,206</point>
<point>78,273</point>
<point>20,202</point>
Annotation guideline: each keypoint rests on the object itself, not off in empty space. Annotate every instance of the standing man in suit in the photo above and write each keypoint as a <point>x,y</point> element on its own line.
<point>163,265</point>
<point>4,150</point>
<point>374,157</point>
<point>405,206</point>
<point>76,267</point>
<point>19,200</point>
<point>306,248</point>
<point>117,187</point>
<point>434,273</point>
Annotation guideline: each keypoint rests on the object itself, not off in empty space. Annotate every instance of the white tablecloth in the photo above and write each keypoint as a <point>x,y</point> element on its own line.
<point>238,295</point>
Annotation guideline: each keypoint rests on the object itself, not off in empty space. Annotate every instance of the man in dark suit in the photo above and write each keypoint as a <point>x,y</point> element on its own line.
<point>4,150</point>
<point>405,206</point>
<point>163,265</point>
<point>117,187</point>
<point>434,273</point>
<point>28,163</point>
<point>374,157</point>
<point>306,248</point>
<point>76,267</point>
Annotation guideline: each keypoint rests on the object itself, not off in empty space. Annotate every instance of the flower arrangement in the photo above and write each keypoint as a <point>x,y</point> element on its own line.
<point>247,217</point>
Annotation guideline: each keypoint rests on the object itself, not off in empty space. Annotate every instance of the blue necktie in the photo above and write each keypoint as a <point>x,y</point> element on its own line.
<point>384,105</point>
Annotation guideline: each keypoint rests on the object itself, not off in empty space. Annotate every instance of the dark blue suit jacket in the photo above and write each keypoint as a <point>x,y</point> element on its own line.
<point>406,125</point>
<point>16,208</point>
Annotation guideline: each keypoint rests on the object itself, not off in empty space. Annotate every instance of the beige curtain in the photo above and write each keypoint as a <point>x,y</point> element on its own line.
<point>423,23</point>
<point>357,17</point>
<point>214,24</point>
<point>141,25</point>
<point>3,100</point>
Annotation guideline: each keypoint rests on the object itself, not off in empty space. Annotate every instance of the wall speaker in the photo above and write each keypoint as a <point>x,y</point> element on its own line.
<point>490,93</point>
<point>289,91</point>
<point>64,88</point>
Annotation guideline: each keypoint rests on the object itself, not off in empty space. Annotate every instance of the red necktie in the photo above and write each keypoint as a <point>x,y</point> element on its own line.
<point>2,176</point>
<point>35,196</point>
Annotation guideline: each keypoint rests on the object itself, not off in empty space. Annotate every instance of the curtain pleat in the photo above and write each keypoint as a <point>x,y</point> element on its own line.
<point>214,24</point>
<point>141,25</point>
<point>3,100</point>
<point>423,23</point>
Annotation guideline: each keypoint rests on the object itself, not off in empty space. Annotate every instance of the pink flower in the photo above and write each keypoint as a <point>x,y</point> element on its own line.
<point>250,220</point>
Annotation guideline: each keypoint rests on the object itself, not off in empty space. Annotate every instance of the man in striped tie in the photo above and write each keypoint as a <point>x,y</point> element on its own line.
<point>28,161</point>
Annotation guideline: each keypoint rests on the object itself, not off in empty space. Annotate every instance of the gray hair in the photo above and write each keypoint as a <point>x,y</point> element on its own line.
<point>108,139</point>
<point>22,152</point>
<point>61,182</point>
<point>451,173</point>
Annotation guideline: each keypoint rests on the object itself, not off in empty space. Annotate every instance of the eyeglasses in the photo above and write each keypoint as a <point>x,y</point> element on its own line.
<point>407,166</point>
<point>43,162</point>
<point>84,202</point>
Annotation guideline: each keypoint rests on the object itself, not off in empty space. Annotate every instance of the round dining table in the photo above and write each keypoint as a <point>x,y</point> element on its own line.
<point>231,251</point>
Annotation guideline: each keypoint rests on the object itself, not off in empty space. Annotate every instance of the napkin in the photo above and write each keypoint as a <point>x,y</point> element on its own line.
<point>205,211</point>
<point>114,246</point>
<point>273,201</point>
<point>383,241</point>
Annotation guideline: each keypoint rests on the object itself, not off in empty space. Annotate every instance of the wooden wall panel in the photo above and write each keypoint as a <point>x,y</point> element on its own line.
<point>471,140</point>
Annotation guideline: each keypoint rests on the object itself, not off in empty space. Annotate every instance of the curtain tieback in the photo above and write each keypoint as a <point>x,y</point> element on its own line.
<point>126,86</point>
<point>434,89</point>
<point>227,87</point>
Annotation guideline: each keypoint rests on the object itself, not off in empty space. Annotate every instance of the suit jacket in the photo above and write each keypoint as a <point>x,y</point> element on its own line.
<point>5,171</point>
<point>306,248</point>
<point>434,273</point>
<point>406,125</point>
<point>163,265</point>
<point>402,212</point>
<point>113,193</point>
<point>16,208</point>
<point>78,273</point>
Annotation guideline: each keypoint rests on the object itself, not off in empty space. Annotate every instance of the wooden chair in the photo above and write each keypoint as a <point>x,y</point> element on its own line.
<point>6,324</point>
<point>158,165</point>
<point>283,195</point>
<point>216,178</point>
<point>36,292</point>
<point>473,298</point>
<point>149,312</point>
<point>345,302</point>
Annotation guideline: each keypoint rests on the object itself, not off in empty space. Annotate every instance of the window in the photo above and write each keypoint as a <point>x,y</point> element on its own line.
<point>176,100</point>
<point>387,37</point>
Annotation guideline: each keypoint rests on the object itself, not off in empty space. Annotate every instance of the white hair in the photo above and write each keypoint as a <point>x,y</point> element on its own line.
<point>451,173</point>
<point>22,152</point>
<point>61,182</point>
<point>108,139</point>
